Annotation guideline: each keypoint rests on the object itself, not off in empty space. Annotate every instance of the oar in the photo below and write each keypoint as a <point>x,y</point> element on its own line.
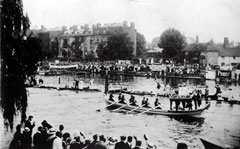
<point>132,110</point>
<point>147,110</point>
<point>119,108</point>
<point>105,107</point>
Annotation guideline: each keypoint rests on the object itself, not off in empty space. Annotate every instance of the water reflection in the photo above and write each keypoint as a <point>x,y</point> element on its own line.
<point>197,121</point>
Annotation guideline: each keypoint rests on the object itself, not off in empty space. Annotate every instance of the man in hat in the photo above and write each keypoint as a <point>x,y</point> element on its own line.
<point>121,144</point>
<point>129,142</point>
<point>119,97</point>
<point>157,104</point>
<point>38,138</point>
<point>29,124</point>
<point>138,144</point>
<point>27,138</point>
<point>111,97</point>
<point>57,142</point>
<point>101,144</point>
<point>94,142</point>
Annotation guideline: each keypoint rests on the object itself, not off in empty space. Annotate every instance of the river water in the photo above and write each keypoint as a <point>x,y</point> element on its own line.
<point>78,111</point>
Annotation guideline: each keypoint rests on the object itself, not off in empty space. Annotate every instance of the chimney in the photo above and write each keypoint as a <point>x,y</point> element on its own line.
<point>226,42</point>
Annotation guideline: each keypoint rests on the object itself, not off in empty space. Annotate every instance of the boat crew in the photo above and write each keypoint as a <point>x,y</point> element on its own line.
<point>195,98</point>
<point>157,104</point>
<point>143,101</point>
<point>76,83</point>
<point>218,89</point>
<point>147,104</point>
<point>111,97</point>
<point>206,94</point>
<point>119,97</point>
<point>122,100</point>
<point>189,104</point>
<point>132,101</point>
<point>199,101</point>
<point>40,81</point>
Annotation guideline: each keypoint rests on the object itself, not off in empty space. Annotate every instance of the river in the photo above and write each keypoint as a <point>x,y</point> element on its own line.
<point>78,110</point>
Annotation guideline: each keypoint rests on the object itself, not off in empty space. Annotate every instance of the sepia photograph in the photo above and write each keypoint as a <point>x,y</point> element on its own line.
<point>120,74</point>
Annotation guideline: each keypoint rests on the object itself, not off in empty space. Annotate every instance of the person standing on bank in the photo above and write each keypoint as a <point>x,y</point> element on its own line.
<point>30,124</point>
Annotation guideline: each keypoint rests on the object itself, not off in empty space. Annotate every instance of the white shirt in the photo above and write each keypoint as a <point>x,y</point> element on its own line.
<point>57,143</point>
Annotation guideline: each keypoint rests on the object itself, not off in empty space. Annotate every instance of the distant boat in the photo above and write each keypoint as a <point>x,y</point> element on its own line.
<point>67,88</point>
<point>141,93</point>
<point>209,145</point>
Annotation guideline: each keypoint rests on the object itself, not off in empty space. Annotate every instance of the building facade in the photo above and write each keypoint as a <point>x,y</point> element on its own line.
<point>89,38</point>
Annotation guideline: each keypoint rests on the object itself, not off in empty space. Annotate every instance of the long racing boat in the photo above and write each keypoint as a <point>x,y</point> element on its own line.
<point>180,113</point>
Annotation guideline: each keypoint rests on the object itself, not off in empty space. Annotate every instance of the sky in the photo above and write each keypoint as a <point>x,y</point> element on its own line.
<point>209,19</point>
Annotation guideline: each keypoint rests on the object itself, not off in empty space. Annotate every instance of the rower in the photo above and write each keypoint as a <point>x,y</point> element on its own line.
<point>143,101</point>
<point>157,104</point>
<point>119,97</point>
<point>132,101</point>
<point>146,105</point>
<point>111,97</point>
<point>122,100</point>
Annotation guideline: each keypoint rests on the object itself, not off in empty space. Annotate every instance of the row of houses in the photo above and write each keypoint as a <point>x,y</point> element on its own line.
<point>84,41</point>
<point>225,55</point>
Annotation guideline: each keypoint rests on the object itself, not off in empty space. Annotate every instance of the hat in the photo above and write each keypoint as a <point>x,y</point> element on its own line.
<point>26,129</point>
<point>51,131</point>
<point>30,116</point>
<point>138,143</point>
<point>150,145</point>
<point>123,137</point>
<point>76,133</point>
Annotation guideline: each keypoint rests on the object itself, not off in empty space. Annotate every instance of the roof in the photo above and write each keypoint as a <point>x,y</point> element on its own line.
<point>230,52</point>
<point>113,25</point>
<point>55,33</point>
<point>195,47</point>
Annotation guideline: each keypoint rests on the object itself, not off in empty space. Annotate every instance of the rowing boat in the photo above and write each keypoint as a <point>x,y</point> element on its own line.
<point>86,89</point>
<point>192,113</point>
<point>78,89</point>
<point>141,93</point>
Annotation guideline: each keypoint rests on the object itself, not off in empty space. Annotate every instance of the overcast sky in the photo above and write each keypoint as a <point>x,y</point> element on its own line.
<point>208,19</point>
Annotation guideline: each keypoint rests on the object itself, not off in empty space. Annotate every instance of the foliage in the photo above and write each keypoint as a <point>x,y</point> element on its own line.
<point>19,58</point>
<point>141,44</point>
<point>118,46</point>
<point>76,48</point>
<point>172,42</point>
<point>53,48</point>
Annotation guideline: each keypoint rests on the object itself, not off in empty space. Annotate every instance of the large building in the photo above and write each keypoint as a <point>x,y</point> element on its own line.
<point>89,38</point>
<point>84,40</point>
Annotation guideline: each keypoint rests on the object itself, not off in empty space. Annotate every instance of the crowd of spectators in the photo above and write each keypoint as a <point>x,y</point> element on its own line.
<point>47,137</point>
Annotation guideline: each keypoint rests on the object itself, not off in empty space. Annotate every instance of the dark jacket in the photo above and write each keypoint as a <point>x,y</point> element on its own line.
<point>121,145</point>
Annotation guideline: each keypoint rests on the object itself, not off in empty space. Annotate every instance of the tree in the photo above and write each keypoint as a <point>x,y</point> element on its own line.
<point>172,42</point>
<point>20,54</point>
<point>118,46</point>
<point>141,44</point>
<point>76,48</point>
